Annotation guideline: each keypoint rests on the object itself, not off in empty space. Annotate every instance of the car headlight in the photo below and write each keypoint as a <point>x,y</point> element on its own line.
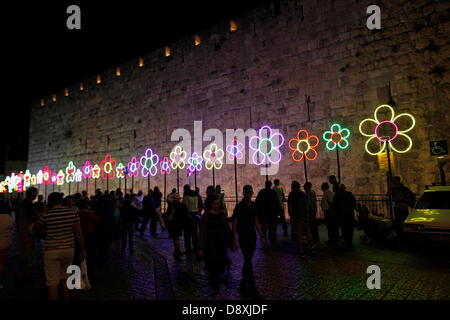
<point>413,227</point>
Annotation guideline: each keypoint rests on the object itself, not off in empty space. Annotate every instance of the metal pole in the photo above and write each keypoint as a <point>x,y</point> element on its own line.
<point>69,188</point>
<point>125,191</point>
<point>195,178</point>
<point>304,164</point>
<point>148,181</point>
<point>107,183</point>
<point>178,181</point>
<point>87,186</point>
<point>214,178</point>
<point>267,173</point>
<point>338,165</point>
<point>45,191</point>
<point>95,186</point>
<point>165,199</point>
<point>389,181</point>
<point>132,184</point>
<point>235,179</point>
<point>78,187</point>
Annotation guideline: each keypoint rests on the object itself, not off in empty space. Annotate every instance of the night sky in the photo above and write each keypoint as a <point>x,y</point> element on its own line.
<point>41,56</point>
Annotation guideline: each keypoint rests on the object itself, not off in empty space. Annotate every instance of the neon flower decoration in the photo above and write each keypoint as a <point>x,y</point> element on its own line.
<point>53,179</point>
<point>165,166</point>
<point>235,150</point>
<point>39,177</point>
<point>213,157</point>
<point>70,173</point>
<point>108,167</point>
<point>178,156</point>
<point>87,170</point>
<point>304,146</point>
<point>19,185</point>
<point>96,171</point>
<point>8,184</point>
<point>149,163</point>
<point>47,174</point>
<point>27,178</point>
<point>60,178</point>
<point>3,187</point>
<point>78,175</point>
<point>195,162</point>
<point>120,171</point>
<point>133,167</point>
<point>265,146</point>
<point>373,133</point>
<point>336,137</point>
<point>33,180</point>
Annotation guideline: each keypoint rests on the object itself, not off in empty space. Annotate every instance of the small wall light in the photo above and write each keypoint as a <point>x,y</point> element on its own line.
<point>197,40</point>
<point>233,26</point>
<point>167,51</point>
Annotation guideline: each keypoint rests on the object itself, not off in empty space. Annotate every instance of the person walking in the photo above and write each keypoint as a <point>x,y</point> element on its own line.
<point>6,225</point>
<point>176,214</point>
<point>312,210</point>
<point>281,199</point>
<point>268,208</point>
<point>334,183</point>
<point>298,212</point>
<point>60,224</point>
<point>26,215</point>
<point>245,222</point>
<point>137,201</point>
<point>402,198</point>
<point>148,213</point>
<point>214,241</point>
<point>327,204</point>
<point>223,207</point>
<point>157,197</point>
<point>128,216</point>
<point>190,200</point>
<point>345,204</point>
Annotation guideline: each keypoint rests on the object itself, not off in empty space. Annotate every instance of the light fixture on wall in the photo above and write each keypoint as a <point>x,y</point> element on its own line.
<point>99,79</point>
<point>54,98</point>
<point>233,26</point>
<point>81,86</point>
<point>167,51</point>
<point>141,62</point>
<point>197,40</point>
<point>66,92</point>
<point>118,71</point>
<point>42,102</point>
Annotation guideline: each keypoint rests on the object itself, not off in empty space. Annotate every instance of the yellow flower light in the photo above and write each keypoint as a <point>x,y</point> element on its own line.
<point>374,135</point>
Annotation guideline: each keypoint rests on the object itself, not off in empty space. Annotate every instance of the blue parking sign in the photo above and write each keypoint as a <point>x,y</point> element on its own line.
<point>438,148</point>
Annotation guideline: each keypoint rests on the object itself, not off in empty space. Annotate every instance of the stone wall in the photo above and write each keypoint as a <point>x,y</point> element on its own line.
<point>259,75</point>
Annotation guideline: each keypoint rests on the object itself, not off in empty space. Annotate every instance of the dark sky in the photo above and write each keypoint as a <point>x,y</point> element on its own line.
<point>41,56</point>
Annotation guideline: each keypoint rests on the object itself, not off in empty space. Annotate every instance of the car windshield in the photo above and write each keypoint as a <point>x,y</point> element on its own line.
<point>434,200</point>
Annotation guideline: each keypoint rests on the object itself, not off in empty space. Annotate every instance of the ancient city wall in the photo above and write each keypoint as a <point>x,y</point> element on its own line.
<point>259,75</point>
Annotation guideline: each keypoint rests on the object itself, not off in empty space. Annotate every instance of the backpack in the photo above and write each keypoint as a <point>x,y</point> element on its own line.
<point>410,196</point>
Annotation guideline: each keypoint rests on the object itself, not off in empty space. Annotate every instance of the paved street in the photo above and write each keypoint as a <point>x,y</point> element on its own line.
<point>153,273</point>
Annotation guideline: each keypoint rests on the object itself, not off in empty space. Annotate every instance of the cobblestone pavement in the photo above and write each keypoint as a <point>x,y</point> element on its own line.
<point>333,273</point>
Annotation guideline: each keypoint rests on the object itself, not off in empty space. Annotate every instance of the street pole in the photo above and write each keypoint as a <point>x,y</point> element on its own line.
<point>338,165</point>
<point>148,181</point>
<point>132,184</point>
<point>389,181</point>
<point>165,199</point>
<point>107,183</point>
<point>235,179</point>
<point>214,178</point>
<point>304,164</point>
<point>87,186</point>
<point>178,181</point>
<point>195,178</point>
<point>267,173</point>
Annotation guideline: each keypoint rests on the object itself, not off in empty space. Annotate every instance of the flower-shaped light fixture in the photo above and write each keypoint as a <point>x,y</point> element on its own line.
<point>33,180</point>
<point>304,146</point>
<point>266,146</point>
<point>96,171</point>
<point>234,150</point>
<point>165,165</point>
<point>60,178</point>
<point>8,184</point>
<point>70,172</point>
<point>178,156</point>
<point>336,137</point>
<point>3,187</point>
<point>87,170</point>
<point>78,175</point>
<point>46,177</point>
<point>53,178</point>
<point>108,166</point>
<point>149,163</point>
<point>195,162</point>
<point>133,167</point>
<point>376,125</point>
<point>213,157</point>
<point>120,171</point>
<point>27,178</point>
<point>39,177</point>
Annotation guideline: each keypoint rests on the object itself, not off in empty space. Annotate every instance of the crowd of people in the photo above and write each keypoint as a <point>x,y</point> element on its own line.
<point>77,228</point>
